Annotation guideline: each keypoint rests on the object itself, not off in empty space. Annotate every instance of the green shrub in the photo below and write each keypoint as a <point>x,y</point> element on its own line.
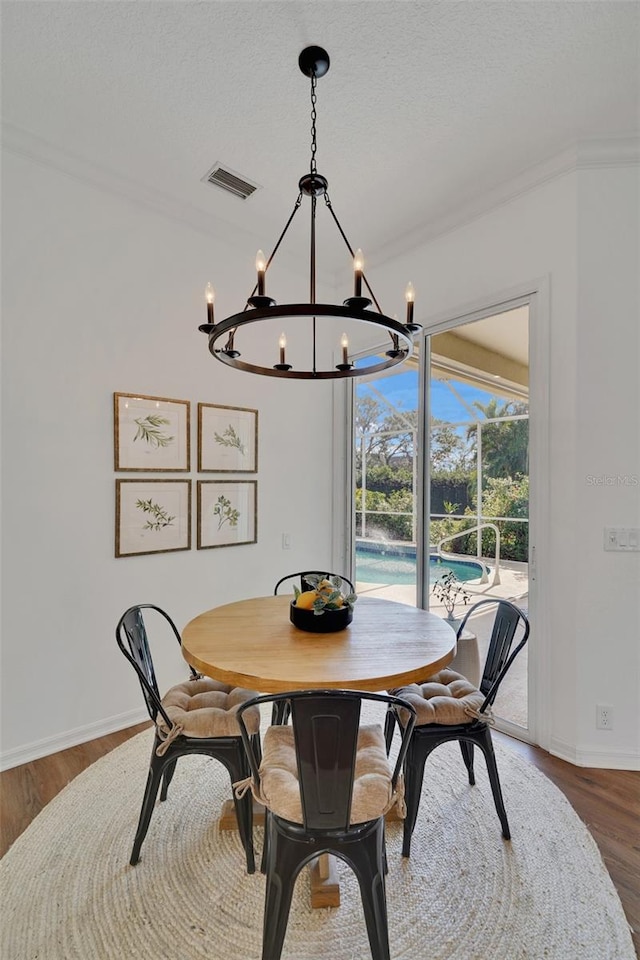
<point>383,524</point>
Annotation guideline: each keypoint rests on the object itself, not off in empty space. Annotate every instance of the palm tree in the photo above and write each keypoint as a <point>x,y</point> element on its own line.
<point>505,446</point>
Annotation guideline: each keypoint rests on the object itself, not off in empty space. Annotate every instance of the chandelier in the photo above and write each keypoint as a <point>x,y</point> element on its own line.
<point>394,341</point>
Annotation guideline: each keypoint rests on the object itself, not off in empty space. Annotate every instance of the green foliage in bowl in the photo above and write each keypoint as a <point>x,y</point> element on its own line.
<point>326,595</point>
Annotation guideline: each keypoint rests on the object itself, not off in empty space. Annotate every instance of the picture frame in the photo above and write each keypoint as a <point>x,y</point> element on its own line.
<point>227,513</point>
<point>151,433</point>
<point>152,516</point>
<point>227,439</point>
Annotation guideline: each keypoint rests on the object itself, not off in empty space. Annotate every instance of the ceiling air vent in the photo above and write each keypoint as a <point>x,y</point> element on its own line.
<point>230,181</point>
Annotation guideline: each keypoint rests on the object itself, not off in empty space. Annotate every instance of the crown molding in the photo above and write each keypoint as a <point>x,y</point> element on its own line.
<point>583,155</point>
<point>23,144</point>
<point>615,152</point>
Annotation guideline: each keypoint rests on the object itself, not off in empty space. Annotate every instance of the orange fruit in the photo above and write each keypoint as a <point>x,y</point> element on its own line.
<point>306,600</point>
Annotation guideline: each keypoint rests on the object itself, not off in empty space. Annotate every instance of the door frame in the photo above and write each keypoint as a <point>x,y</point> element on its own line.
<point>535,295</point>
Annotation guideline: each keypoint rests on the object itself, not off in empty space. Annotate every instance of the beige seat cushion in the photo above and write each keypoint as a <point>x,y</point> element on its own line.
<point>447,698</point>
<point>280,789</point>
<point>207,708</point>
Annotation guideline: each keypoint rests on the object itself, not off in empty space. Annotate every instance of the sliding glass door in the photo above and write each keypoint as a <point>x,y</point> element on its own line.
<point>441,483</point>
<point>478,475</point>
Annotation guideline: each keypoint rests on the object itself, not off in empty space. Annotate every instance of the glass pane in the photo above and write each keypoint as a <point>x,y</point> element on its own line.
<point>479,481</point>
<point>386,417</point>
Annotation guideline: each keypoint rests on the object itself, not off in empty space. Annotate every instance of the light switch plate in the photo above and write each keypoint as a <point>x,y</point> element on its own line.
<point>622,539</point>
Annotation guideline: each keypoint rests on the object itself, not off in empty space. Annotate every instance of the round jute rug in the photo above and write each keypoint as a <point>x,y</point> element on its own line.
<point>68,892</point>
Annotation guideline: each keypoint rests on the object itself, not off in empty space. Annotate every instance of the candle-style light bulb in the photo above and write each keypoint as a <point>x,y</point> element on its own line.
<point>261,266</point>
<point>282,343</point>
<point>410,296</point>
<point>210,297</point>
<point>344,343</point>
<point>358,267</point>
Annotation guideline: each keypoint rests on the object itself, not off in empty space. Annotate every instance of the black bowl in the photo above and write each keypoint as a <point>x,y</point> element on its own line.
<point>327,622</point>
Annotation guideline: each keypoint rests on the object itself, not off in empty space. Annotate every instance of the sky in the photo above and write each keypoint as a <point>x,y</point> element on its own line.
<point>401,389</point>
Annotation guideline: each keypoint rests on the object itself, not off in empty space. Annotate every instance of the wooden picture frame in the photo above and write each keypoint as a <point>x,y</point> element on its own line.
<point>152,516</point>
<point>151,433</point>
<point>227,439</point>
<point>227,513</point>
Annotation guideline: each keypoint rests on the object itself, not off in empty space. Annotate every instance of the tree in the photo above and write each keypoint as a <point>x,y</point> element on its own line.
<point>505,446</point>
<point>386,439</point>
<point>397,442</point>
<point>448,450</point>
<point>368,416</point>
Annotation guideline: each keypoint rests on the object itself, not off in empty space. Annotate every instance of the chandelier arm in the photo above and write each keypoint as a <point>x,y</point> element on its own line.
<point>296,207</point>
<point>350,248</point>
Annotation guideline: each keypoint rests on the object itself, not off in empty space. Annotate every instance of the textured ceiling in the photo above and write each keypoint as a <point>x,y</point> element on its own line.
<point>426,107</point>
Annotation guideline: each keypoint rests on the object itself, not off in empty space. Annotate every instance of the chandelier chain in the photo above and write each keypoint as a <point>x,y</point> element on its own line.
<point>314,115</point>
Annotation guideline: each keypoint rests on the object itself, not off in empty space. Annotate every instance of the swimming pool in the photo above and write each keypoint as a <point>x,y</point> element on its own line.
<point>389,567</point>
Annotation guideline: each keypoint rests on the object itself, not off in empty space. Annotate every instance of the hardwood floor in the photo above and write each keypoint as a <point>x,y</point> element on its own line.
<point>25,790</point>
<point>608,801</point>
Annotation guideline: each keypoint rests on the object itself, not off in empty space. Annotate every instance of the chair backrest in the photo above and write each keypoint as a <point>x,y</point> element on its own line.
<point>131,636</point>
<point>305,585</point>
<point>500,656</point>
<point>325,726</point>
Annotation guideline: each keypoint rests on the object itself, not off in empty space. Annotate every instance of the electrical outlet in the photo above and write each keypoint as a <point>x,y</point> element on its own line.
<point>604,717</point>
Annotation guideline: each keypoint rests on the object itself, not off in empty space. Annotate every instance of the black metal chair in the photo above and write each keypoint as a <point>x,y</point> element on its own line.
<point>305,585</point>
<point>449,707</point>
<point>195,717</point>
<point>326,784</point>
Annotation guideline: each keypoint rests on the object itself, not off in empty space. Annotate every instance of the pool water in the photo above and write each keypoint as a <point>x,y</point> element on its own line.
<point>394,568</point>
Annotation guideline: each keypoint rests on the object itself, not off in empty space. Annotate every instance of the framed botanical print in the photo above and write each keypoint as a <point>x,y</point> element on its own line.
<point>227,439</point>
<point>227,513</point>
<point>151,433</point>
<point>152,516</point>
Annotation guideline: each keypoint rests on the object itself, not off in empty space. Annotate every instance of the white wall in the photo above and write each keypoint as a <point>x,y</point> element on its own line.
<point>607,478</point>
<point>100,295</point>
<point>580,232</point>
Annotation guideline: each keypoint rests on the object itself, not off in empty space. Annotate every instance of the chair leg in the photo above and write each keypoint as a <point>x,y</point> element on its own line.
<point>283,868</point>
<point>244,816</point>
<point>368,863</point>
<point>264,863</point>
<point>167,777</point>
<point>389,728</point>
<point>486,744</point>
<point>385,861</point>
<point>148,802</point>
<point>239,769</point>
<point>413,777</point>
<point>466,748</point>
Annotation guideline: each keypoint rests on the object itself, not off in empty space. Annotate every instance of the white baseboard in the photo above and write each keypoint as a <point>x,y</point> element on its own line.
<point>602,759</point>
<point>62,741</point>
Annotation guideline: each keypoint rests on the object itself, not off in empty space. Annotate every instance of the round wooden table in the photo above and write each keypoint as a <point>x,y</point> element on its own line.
<point>252,643</point>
